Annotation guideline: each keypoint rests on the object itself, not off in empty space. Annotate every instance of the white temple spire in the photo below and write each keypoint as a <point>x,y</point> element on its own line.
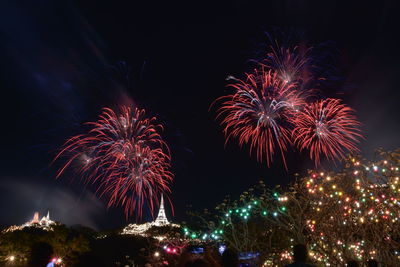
<point>161,217</point>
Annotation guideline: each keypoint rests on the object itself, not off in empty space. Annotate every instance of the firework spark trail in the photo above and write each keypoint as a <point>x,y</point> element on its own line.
<point>289,63</point>
<point>260,113</point>
<point>327,127</point>
<point>124,156</point>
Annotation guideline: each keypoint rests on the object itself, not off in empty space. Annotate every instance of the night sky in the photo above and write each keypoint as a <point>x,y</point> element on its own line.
<point>62,61</point>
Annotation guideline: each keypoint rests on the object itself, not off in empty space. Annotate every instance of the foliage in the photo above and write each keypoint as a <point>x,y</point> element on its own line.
<point>352,214</point>
<point>164,230</point>
<point>67,243</point>
<point>162,238</point>
<point>120,248</point>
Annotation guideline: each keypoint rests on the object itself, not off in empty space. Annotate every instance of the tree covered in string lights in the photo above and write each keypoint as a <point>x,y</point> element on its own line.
<point>356,212</point>
<point>352,214</point>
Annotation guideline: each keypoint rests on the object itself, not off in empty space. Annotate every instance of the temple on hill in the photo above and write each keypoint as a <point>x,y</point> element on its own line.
<point>161,217</point>
<point>140,229</point>
<point>44,223</point>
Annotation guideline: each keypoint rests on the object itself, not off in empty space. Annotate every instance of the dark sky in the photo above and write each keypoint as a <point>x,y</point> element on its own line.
<point>59,66</point>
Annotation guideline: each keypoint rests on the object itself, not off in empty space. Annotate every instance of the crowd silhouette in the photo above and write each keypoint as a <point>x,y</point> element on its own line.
<point>42,254</point>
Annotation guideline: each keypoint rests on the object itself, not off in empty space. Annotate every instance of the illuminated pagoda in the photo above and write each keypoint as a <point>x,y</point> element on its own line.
<point>161,217</point>
<point>45,223</point>
<point>140,229</point>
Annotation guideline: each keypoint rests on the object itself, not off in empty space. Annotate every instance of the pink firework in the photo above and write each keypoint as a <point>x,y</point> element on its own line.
<point>260,113</point>
<point>327,127</point>
<point>124,156</point>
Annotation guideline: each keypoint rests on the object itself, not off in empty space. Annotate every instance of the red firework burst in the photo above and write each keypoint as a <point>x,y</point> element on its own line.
<point>327,127</point>
<point>124,156</point>
<point>260,113</point>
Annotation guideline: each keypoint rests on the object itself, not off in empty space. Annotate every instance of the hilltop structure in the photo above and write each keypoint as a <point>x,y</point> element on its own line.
<point>140,229</point>
<point>45,223</point>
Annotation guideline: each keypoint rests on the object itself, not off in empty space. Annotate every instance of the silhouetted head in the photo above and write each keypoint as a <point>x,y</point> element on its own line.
<point>89,259</point>
<point>41,254</point>
<point>372,263</point>
<point>300,253</point>
<point>229,258</point>
<point>197,263</point>
<point>352,264</point>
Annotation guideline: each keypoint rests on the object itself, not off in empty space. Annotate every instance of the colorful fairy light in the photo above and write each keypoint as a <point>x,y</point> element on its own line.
<point>361,199</point>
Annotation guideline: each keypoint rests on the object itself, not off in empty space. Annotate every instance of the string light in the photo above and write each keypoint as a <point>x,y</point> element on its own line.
<point>367,197</point>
